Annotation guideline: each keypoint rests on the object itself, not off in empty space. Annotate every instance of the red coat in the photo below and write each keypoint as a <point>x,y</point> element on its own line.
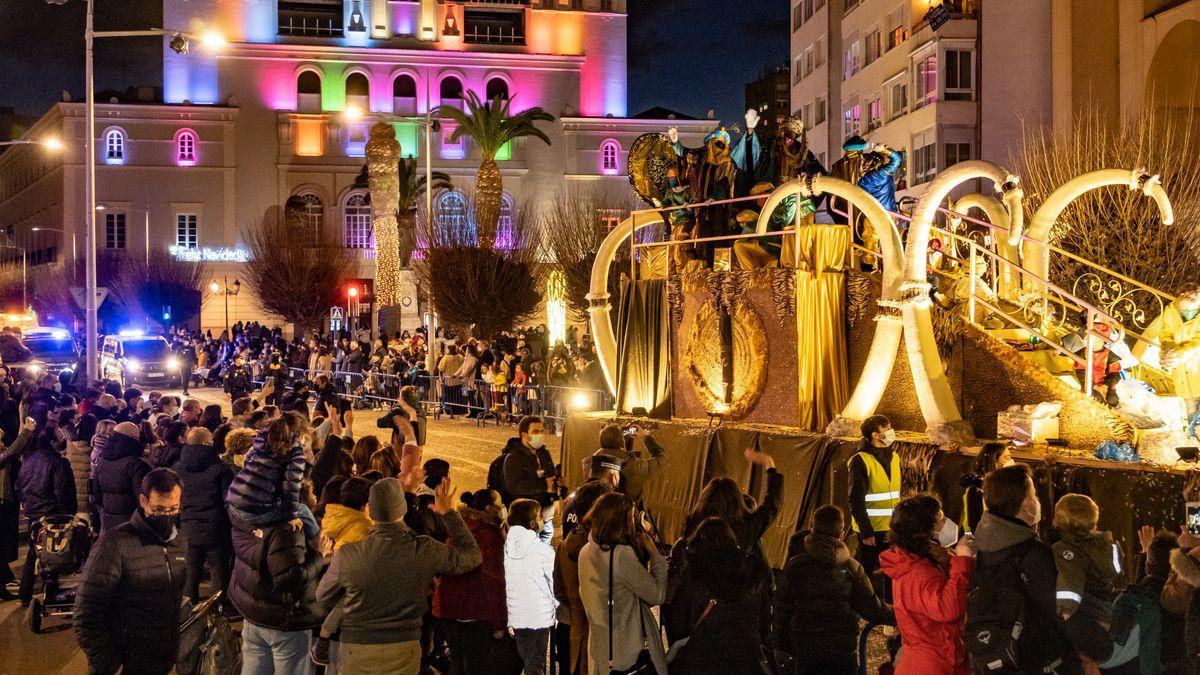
<point>478,594</point>
<point>930,610</point>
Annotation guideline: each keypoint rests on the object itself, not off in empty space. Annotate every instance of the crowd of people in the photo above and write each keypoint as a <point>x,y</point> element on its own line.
<point>507,376</point>
<point>358,554</point>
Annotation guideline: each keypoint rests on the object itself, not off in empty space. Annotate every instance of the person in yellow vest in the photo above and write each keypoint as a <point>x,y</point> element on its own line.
<point>874,489</point>
<point>991,456</point>
<point>1177,330</point>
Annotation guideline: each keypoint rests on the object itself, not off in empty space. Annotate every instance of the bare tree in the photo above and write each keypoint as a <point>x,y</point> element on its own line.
<point>1115,227</point>
<point>296,277</point>
<point>483,289</point>
<point>573,227</point>
<point>166,288</point>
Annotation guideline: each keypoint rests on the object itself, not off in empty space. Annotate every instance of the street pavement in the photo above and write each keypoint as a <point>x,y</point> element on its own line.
<point>468,447</point>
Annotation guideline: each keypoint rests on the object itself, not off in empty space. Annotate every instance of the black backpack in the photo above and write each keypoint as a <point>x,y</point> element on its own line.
<point>495,478</point>
<point>996,616</point>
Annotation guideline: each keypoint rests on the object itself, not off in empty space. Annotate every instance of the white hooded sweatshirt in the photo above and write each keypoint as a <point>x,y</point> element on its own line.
<point>529,579</point>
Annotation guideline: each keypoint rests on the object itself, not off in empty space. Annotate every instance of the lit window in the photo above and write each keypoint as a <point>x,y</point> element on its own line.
<point>610,152</point>
<point>186,230</point>
<point>114,146</point>
<point>356,221</point>
<point>875,113</point>
<point>114,230</point>
<point>308,92</point>
<point>505,239</point>
<point>497,89</point>
<point>454,224</point>
<point>185,148</point>
<point>926,79</point>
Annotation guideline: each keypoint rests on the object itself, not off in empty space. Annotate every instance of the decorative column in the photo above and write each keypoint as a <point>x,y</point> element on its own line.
<point>383,155</point>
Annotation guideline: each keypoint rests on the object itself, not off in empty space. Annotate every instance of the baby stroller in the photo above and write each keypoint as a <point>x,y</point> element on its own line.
<point>208,644</point>
<point>61,545</point>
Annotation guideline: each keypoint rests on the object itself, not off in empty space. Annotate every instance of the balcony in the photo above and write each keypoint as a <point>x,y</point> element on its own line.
<point>311,18</point>
<point>494,27</point>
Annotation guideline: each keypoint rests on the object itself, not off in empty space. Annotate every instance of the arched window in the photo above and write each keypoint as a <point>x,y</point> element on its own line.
<point>505,238</point>
<point>114,146</point>
<point>356,222</point>
<point>497,88</point>
<point>404,95</point>
<point>454,223</point>
<point>308,91</point>
<point>312,215</point>
<point>451,91</point>
<point>185,148</point>
<point>610,155</point>
<point>404,86</point>
<point>358,91</point>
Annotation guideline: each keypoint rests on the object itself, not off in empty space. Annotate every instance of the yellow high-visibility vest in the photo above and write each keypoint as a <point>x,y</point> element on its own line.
<point>883,491</point>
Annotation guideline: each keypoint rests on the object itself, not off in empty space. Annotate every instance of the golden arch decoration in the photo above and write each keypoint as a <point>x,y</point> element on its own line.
<point>750,353</point>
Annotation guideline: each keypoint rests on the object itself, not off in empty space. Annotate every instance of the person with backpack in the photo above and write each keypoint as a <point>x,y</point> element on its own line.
<point>1014,582</point>
<point>822,594</point>
<point>1139,608</point>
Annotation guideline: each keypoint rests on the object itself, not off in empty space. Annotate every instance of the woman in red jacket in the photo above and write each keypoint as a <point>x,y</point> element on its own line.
<point>471,607</point>
<point>929,589</point>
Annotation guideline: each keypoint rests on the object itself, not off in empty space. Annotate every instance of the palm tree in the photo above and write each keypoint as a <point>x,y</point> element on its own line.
<point>491,125</point>
<point>411,189</point>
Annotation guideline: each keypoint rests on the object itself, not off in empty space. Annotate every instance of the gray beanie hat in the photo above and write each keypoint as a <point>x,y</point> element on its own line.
<point>386,501</point>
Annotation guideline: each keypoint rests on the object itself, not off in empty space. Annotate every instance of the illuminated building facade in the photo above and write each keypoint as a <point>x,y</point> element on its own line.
<point>264,120</point>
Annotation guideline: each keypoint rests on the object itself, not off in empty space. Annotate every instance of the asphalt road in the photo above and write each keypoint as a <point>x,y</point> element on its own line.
<point>468,447</point>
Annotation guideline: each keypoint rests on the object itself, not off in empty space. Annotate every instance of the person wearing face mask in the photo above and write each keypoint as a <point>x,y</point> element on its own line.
<point>991,456</point>
<point>1178,334</point>
<point>127,607</point>
<point>1013,560</point>
<point>874,489</point>
<point>529,470</point>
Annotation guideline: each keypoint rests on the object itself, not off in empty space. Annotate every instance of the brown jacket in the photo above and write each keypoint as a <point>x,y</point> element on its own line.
<point>566,590</point>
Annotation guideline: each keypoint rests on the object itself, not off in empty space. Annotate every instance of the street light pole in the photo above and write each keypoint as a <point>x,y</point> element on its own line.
<point>89,236</point>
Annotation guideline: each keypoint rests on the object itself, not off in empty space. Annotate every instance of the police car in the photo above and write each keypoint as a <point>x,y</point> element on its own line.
<point>51,351</point>
<point>132,357</point>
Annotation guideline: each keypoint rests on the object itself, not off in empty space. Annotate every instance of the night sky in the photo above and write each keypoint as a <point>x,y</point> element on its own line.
<point>687,55</point>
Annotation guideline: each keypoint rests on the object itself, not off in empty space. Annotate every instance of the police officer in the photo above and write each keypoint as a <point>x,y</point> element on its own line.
<point>238,382</point>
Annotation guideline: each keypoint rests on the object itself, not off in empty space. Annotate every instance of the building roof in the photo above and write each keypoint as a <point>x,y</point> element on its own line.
<point>660,113</point>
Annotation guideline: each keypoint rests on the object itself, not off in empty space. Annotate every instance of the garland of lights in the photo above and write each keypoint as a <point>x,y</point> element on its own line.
<point>383,155</point>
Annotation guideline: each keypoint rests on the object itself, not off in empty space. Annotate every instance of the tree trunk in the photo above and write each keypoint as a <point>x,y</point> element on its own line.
<point>407,220</point>
<point>383,152</point>
<point>489,185</point>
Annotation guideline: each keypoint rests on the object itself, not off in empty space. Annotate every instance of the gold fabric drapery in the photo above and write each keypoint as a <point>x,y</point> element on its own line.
<point>643,335</point>
<point>823,383</point>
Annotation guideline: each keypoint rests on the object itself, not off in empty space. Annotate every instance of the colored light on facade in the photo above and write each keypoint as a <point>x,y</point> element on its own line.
<point>505,152</point>
<point>206,254</point>
<point>408,134</point>
<point>309,137</point>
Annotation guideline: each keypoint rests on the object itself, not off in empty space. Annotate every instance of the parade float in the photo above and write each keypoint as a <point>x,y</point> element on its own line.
<point>743,322</point>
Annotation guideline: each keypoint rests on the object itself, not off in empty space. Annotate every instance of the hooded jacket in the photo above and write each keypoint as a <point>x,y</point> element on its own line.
<point>117,480</point>
<point>205,480</point>
<point>478,595</point>
<point>344,525</point>
<point>1087,567</point>
<point>1004,541</point>
<point>529,579</point>
<point>46,485</point>
<point>930,605</point>
<point>385,579</point>
<point>127,605</point>
<point>822,594</point>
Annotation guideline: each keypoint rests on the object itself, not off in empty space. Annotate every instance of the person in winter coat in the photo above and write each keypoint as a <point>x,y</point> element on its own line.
<point>1179,596</point>
<point>991,456</point>
<point>566,573</point>
<point>929,589</point>
<point>822,594</point>
<point>346,520</point>
<point>626,633</point>
<point>127,604</point>
<point>1088,563</point>
<point>529,584</point>
<point>1012,557</point>
<point>721,586</point>
<point>203,519</point>
<point>472,607</point>
<point>529,470</point>
<point>636,470</point>
<point>274,587</point>
<point>167,454</point>
<point>79,454</point>
<point>384,581</point>
<point>879,177</point>
<point>10,504</point>
<point>267,489</point>
<point>118,476</point>
<point>47,488</point>
<point>722,498</point>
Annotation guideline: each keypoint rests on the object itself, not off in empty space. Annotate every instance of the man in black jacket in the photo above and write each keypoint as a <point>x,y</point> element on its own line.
<point>1005,538</point>
<point>127,607</point>
<point>529,470</point>
<point>205,479</point>
<point>238,382</point>
<point>47,487</point>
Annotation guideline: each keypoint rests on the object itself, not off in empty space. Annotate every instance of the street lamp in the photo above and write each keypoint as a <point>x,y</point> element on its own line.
<point>218,289</point>
<point>351,295</point>
<point>49,143</point>
<point>179,43</point>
